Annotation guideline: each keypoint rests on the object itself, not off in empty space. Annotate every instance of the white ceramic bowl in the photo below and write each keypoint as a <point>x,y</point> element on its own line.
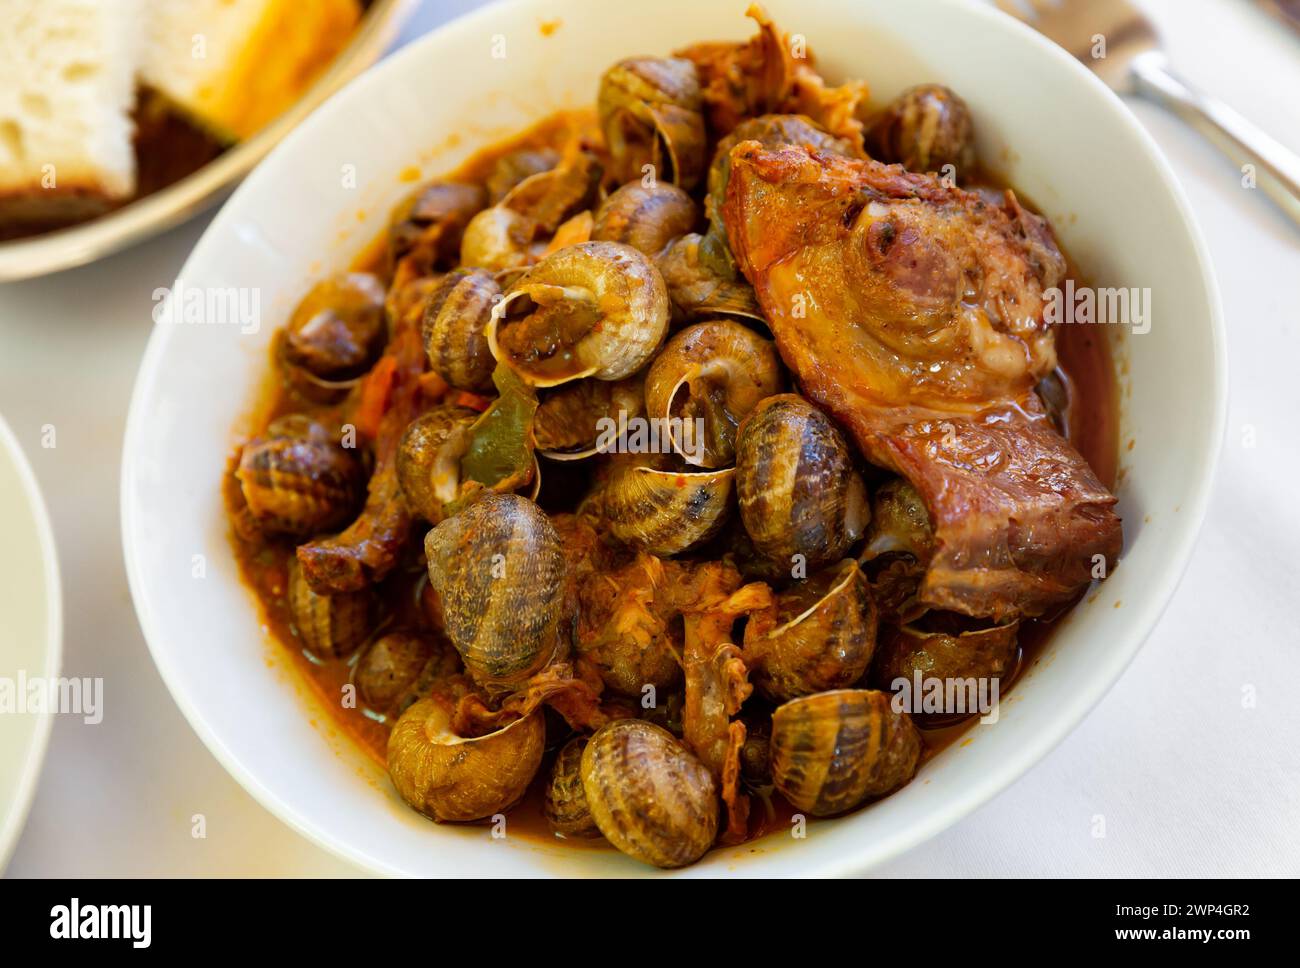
<point>1056,132</point>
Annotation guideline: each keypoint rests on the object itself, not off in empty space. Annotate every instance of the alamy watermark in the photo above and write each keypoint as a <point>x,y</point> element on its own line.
<point>1085,305</point>
<point>209,306</point>
<point>651,435</point>
<point>37,695</point>
<point>954,696</point>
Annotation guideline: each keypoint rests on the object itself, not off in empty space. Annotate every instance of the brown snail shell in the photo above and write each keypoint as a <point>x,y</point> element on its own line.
<point>452,779</point>
<point>299,484</point>
<point>395,668</point>
<point>498,569</point>
<point>330,626</point>
<point>698,290</point>
<point>428,459</point>
<point>819,635</point>
<point>716,371</point>
<point>428,225</point>
<point>646,218</point>
<point>900,542</point>
<point>550,197</point>
<point>595,309</point>
<point>923,129</point>
<point>566,807</point>
<point>651,114</point>
<point>664,512</point>
<point>334,335</point>
<point>499,238</point>
<point>832,750</point>
<point>455,320</point>
<point>974,654</point>
<point>512,168</point>
<point>649,795</point>
<point>799,492</point>
<point>568,423</point>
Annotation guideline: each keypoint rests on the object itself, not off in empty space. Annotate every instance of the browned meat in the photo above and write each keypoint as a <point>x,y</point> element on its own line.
<point>913,312</point>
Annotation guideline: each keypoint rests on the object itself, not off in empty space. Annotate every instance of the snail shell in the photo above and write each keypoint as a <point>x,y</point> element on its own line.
<point>819,635</point>
<point>550,197</point>
<point>900,542</point>
<point>455,780</point>
<point>396,667</point>
<point>498,569</point>
<point>698,290</point>
<point>832,750</point>
<point>498,239</point>
<point>988,653</point>
<point>299,483</point>
<point>923,129</point>
<point>594,309</point>
<point>647,219</point>
<point>651,113</point>
<point>566,801</point>
<point>664,512</point>
<point>428,459</point>
<point>716,371</point>
<point>455,320</point>
<point>649,795</point>
<point>514,167</point>
<point>334,335</point>
<point>430,222</point>
<point>330,626</point>
<point>798,489</point>
<point>567,425</point>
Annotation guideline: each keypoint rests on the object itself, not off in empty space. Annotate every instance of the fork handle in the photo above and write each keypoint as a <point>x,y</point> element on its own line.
<point>1277,168</point>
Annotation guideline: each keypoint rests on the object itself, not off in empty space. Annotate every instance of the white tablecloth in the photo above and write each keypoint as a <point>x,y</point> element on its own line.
<point>1188,778</point>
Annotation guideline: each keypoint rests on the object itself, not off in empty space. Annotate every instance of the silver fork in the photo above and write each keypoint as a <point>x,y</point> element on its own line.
<point>1133,63</point>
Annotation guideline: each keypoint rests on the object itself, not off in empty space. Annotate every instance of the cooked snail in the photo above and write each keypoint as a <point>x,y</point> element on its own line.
<point>499,238</point>
<point>566,800</point>
<point>950,655</point>
<point>651,114</point>
<point>900,541</point>
<point>453,779</point>
<point>510,169</point>
<point>334,335</point>
<point>698,288</point>
<point>832,750</point>
<point>646,218</point>
<point>390,673</point>
<point>664,512</point>
<point>798,490</point>
<point>298,482</point>
<point>330,626</point>
<point>499,571</point>
<point>650,797</point>
<point>428,459</point>
<point>819,635</point>
<point>596,309</point>
<point>575,419</point>
<point>715,372</point>
<point>426,229</point>
<point>923,129</point>
<point>455,320</point>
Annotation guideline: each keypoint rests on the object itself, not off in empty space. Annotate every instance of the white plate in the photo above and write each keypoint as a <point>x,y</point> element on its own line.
<point>31,632</point>
<point>144,218</point>
<point>1059,135</point>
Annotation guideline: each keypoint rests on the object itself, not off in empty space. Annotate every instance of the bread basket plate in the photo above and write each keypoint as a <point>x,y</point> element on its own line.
<point>146,217</point>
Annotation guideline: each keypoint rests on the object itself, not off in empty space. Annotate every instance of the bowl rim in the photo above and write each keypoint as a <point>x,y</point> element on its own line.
<point>143,218</point>
<point>24,791</point>
<point>1074,708</point>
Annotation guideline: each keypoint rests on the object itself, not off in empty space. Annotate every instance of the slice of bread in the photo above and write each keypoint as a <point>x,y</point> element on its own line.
<point>67,84</point>
<point>234,65</point>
